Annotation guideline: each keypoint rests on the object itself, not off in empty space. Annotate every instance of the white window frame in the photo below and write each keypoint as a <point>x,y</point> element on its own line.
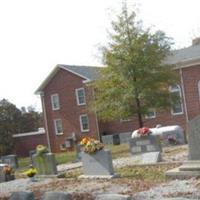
<point>56,128</point>
<point>81,123</point>
<point>153,116</point>
<point>178,89</point>
<point>77,97</point>
<point>52,102</point>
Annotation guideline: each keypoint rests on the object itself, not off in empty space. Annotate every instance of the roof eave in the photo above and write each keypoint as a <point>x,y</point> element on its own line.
<point>39,91</point>
<point>48,78</point>
<point>188,63</point>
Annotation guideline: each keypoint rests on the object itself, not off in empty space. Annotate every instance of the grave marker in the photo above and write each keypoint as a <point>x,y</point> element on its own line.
<point>10,160</point>
<point>190,168</point>
<point>45,164</point>
<point>152,157</point>
<point>22,196</point>
<point>57,196</point>
<point>194,139</point>
<point>99,163</point>
<point>145,144</point>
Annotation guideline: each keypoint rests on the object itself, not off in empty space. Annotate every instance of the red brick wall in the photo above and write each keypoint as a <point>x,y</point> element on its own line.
<point>64,83</point>
<point>164,119</point>
<point>191,76</point>
<point>26,143</point>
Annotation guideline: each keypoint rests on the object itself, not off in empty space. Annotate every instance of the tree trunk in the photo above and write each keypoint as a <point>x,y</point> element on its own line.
<point>140,121</point>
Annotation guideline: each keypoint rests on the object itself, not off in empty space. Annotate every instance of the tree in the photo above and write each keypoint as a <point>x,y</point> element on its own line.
<point>136,77</point>
<point>30,120</point>
<point>9,117</point>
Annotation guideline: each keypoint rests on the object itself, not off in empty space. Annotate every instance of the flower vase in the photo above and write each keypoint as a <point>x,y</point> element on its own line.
<point>33,179</point>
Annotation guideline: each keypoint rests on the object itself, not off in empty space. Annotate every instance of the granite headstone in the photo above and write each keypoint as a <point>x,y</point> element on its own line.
<point>98,164</point>
<point>151,157</point>
<point>10,160</point>
<point>22,195</point>
<point>111,139</point>
<point>145,144</point>
<point>45,164</point>
<point>194,139</point>
<point>57,196</point>
<point>125,137</point>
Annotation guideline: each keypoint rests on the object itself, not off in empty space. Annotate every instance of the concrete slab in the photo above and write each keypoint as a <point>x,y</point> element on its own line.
<point>99,176</point>
<point>151,157</point>
<point>176,173</point>
<point>190,167</point>
<point>59,175</point>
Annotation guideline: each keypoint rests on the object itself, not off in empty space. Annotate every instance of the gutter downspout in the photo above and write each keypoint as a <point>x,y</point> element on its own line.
<point>45,120</point>
<point>184,99</point>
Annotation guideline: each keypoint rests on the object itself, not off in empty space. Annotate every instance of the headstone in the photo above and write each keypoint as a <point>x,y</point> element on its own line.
<point>78,152</point>
<point>111,139</point>
<point>45,164</point>
<point>190,168</point>
<point>22,196</point>
<point>98,164</point>
<point>31,153</point>
<point>125,137</point>
<point>57,196</point>
<point>152,157</point>
<point>10,160</point>
<point>112,197</point>
<point>145,144</point>
<point>194,139</point>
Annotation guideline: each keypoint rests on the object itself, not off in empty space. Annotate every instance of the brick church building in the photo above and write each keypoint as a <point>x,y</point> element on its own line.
<point>64,95</point>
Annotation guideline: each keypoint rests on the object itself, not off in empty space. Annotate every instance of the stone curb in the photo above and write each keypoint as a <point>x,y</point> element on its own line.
<point>28,195</point>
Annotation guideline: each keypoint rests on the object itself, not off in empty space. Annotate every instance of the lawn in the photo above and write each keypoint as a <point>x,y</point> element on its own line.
<point>68,157</point>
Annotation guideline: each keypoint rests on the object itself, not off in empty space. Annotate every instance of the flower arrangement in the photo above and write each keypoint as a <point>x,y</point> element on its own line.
<point>91,145</point>
<point>172,140</point>
<point>31,172</point>
<point>8,170</point>
<point>41,149</point>
<point>144,131</point>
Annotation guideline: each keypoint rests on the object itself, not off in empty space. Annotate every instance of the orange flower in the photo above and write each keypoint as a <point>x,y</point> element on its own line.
<point>84,141</point>
<point>91,145</point>
<point>7,169</point>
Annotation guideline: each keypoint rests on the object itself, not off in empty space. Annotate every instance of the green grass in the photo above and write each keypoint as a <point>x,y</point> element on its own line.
<point>146,173</point>
<point>119,150</point>
<point>24,162</point>
<point>61,158</point>
<point>68,157</point>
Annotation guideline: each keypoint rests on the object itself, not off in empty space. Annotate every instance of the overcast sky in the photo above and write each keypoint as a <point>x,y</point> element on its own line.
<point>35,35</point>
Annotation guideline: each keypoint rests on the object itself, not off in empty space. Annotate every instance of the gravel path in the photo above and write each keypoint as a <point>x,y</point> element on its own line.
<point>21,184</point>
<point>177,189</point>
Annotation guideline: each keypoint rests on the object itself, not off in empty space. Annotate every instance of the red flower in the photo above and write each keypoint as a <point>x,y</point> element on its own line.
<point>144,131</point>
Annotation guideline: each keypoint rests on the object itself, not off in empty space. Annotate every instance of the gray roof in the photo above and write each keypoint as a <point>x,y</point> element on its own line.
<point>91,73</point>
<point>181,55</point>
<point>191,53</point>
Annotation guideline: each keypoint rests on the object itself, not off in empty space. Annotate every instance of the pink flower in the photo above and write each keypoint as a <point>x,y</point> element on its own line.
<point>144,131</point>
